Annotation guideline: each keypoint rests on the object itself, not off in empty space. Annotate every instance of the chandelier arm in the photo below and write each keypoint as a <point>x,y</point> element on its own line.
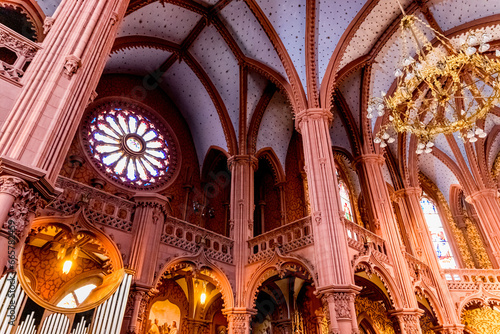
<point>440,37</point>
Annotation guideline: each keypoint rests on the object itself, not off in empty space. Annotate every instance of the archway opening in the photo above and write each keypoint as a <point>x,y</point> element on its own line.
<point>287,303</point>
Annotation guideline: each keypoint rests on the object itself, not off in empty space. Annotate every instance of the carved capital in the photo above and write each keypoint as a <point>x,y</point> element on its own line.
<point>344,302</point>
<point>12,185</point>
<point>239,320</point>
<point>408,320</point>
<point>71,65</point>
<point>236,160</point>
<point>312,114</point>
<point>47,24</point>
<point>26,201</point>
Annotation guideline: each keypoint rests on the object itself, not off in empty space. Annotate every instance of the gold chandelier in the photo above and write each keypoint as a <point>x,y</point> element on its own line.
<point>441,90</point>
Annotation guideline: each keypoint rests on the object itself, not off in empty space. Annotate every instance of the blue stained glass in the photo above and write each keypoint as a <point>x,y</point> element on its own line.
<point>133,165</point>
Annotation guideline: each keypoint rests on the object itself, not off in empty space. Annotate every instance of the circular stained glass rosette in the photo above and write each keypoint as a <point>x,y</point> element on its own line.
<point>129,147</point>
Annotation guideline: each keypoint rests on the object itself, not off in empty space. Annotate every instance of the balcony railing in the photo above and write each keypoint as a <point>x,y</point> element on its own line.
<point>357,236</point>
<point>24,49</point>
<point>184,235</point>
<point>467,279</point>
<point>289,237</point>
<point>101,207</point>
<point>419,270</point>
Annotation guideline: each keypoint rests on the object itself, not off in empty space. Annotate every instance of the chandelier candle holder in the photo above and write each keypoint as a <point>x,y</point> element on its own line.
<point>441,90</point>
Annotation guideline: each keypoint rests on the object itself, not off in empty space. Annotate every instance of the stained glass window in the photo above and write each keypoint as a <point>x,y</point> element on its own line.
<point>129,147</point>
<point>438,234</point>
<point>345,199</point>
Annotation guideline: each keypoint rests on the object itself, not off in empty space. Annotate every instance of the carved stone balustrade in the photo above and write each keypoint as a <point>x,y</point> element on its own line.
<point>101,208</point>
<point>419,271</point>
<point>186,236</point>
<point>357,236</point>
<point>289,237</point>
<point>468,279</point>
<point>24,49</point>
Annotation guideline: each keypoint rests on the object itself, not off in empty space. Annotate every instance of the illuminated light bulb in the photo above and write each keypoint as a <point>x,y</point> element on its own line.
<point>381,112</point>
<point>484,47</point>
<point>391,118</point>
<point>61,253</point>
<point>409,76</point>
<point>369,116</point>
<point>377,140</point>
<point>428,150</point>
<point>391,140</point>
<point>430,144</point>
<point>482,135</point>
<point>398,73</point>
<point>497,53</point>
<point>383,144</point>
<point>383,93</point>
<point>473,140</point>
<point>370,108</point>
<point>67,266</point>
<point>408,61</point>
<point>472,39</point>
<point>470,134</point>
<point>470,50</point>
<point>203,298</point>
<point>486,38</point>
<point>419,66</point>
<point>420,146</point>
<point>419,151</point>
<point>385,136</point>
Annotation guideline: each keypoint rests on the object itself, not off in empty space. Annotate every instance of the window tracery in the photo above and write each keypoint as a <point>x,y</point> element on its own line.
<point>130,146</point>
<point>439,238</point>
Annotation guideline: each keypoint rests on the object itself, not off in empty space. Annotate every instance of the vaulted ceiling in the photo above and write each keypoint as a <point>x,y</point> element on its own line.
<point>239,69</point>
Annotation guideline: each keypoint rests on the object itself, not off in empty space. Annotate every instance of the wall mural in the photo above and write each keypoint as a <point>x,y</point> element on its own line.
<point>164,318</point>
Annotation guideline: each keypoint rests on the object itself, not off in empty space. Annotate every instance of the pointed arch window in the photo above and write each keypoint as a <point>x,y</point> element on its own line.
<point>440,240</point>
<point>345,198</point>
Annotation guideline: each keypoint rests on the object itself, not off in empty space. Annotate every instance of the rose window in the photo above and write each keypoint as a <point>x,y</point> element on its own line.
<point>129,146</point>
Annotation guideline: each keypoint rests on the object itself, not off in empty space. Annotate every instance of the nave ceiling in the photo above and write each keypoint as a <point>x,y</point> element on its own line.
<point>227,64</point>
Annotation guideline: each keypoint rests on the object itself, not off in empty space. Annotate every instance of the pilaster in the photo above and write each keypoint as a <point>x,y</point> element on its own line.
<point>242,169</point>
<point>336,282</point>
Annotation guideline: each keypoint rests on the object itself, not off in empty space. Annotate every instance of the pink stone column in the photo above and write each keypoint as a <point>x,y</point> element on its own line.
<point>487,207</point>
<point>59,83</point>
<point>242,169</point>
<point>336,282</point>
<point>413,217</point>
<point>149,219</point>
